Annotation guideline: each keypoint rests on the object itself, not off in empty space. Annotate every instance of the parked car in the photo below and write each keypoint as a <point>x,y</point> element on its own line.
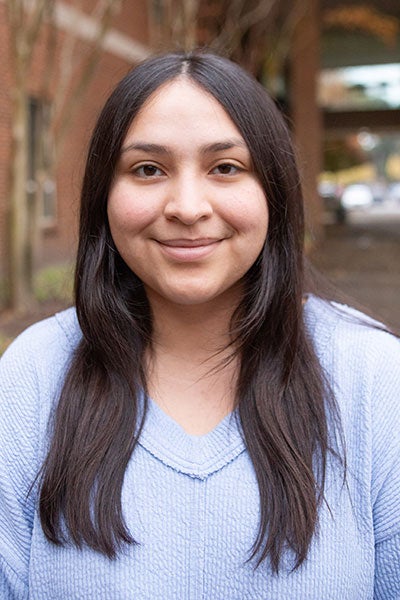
<point>331,198</point>
<point>393,191</point>
<point>357,195</point>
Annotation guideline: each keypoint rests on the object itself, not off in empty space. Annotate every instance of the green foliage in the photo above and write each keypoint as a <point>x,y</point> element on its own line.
<point>54,283</point>
<point>3,292</point>
<point>4,342</point>
<point>340,154</point>
<point>51,284</point>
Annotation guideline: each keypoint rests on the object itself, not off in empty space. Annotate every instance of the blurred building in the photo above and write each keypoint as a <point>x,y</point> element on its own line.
<point>343,92</point>
<point>326,103</point>
<point>62,52</point>
<point>359,95</point>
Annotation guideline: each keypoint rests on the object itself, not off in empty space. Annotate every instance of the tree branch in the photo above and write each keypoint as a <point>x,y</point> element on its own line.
<point>20,53</point>
<point>40,9</point>
<point>281,47</point>
<point>237,23</point>
<point>51,56</point>
<point>105,18</point>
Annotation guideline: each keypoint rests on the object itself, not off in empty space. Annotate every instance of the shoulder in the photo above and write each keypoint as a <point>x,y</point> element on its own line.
<point>32,371</point>
<point>48,341</point>
<point>62,327</point>
<point>361,361</point>
<point>342,334</point>
<point>33,368</point>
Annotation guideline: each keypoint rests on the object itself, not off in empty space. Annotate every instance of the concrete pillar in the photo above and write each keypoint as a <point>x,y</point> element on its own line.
<point>305,114</point>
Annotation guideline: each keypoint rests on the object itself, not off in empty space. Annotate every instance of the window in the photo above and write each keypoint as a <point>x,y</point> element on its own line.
<point>370,87</point>
<point>41,181</point>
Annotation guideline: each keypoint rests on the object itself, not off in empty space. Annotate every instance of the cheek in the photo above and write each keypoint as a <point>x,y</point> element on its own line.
<point>127,211</point>
<point>249,212</point>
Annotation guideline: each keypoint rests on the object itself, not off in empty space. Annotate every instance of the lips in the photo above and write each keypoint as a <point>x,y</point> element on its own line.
<point>189,250</point>
<point>188,243</point>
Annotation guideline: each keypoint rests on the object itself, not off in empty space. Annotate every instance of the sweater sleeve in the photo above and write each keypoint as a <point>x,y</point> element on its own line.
<point>19,394</point>
<point>387,569</point>
<point>385,489</point>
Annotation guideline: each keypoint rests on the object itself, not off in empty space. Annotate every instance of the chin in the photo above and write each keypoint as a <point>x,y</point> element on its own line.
<point>190,299</point>
<point>197,296</point>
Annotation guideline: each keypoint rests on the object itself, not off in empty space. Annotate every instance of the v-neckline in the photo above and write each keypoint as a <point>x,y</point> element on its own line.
<point>197,456</point>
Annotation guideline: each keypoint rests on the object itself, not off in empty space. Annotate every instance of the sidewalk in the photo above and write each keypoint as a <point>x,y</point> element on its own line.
<point>363,259</point>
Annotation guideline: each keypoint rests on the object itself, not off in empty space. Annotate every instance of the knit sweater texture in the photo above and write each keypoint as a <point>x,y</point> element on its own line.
<point>192,502</point>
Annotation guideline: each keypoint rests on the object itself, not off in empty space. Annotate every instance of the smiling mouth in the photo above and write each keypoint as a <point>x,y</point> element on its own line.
<point>187,250</point>
<point>188,243</point>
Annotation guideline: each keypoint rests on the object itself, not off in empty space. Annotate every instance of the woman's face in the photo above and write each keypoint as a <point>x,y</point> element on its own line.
<point>186,210</point>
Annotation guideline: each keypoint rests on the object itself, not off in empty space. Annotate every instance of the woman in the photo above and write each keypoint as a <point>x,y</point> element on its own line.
<point>200,425</point>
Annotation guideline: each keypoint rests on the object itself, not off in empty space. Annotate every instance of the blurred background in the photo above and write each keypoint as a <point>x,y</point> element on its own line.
<point>333,68</point>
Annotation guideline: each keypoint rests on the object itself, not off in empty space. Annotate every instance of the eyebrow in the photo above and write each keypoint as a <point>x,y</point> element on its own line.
<point>146,147</point>
<point>223,145</point>
<point>214,147</point>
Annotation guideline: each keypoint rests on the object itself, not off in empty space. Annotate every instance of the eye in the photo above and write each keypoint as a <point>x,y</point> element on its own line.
<point>148,171</point>
<point>226,169</point>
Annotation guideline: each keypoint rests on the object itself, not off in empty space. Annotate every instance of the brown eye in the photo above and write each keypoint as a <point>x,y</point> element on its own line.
<point>148,171</point>
<point>225,169</point>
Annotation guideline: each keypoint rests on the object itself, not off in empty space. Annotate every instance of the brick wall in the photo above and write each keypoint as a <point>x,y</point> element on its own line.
<point>5,130</point>
<point>59,241</point>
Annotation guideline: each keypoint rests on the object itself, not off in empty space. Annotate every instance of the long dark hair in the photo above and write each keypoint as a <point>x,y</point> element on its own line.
<point>283,401</point>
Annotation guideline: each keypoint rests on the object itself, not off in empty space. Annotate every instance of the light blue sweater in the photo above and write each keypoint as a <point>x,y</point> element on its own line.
<point>192,502</point>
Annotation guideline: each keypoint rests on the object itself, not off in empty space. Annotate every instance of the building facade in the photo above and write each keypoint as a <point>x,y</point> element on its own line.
<point>63,62</point>
<point>324,37</point>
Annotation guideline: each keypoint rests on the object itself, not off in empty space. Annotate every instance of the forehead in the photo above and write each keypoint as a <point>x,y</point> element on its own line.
<point>184,107</point>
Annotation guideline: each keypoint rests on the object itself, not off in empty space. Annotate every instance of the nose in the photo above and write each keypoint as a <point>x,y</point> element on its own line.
<point>188,200</point>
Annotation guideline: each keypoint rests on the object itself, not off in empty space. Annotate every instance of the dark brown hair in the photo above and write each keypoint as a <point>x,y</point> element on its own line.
<point>283,402</point>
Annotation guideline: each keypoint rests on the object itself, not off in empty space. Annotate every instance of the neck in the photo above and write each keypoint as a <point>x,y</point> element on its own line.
<point>191,371</point>
<point>195,332</point>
